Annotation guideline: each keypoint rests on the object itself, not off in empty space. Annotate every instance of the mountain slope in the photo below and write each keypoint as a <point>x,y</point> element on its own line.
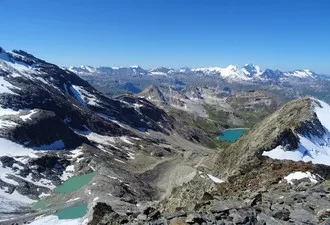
<point>43,109</point>
<point>298,131</point>
<point>153,94</point>
<point>54,126</point>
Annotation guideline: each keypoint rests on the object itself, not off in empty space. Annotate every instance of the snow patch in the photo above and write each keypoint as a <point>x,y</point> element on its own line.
<point>15,196</point>
<point>95,137</point>
<point>126,140</point>
<point>83,96</point>
<point>9,148</point>
<point>5,86</point>
<point>74,89</point>
<point>74,199</point>
<point>215,179</point>
<point>28,116</point>
<point>7,124</point>
<point>300,175</point>
<point>7,111</point>
<point>54,220</point>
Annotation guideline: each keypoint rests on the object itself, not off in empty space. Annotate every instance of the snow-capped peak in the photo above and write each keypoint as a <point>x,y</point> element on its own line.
<point>82,69</point>
<point>15,61</point>
<point>233,72</point>
<point>302,73</point>
<point>252,70</point>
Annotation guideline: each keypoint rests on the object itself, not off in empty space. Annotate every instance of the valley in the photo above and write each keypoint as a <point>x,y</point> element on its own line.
<point>234,145</point>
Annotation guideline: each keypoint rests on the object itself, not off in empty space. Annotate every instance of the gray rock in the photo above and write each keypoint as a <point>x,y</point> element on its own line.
<point>220,216</point>
<point>208,217</point>
<point>148,210</point>
<point>176,214</point>
<point>269,219</point>
<point>300,215</point>
<point>141,217</point>
<point>283,214</point>
<point>318,201</point>
<point>154,215</point>
<point>261,222</point>
<point>207,196</point>
<point>254,199</point>
<point>303,186</point>
<point>160,222</point>
<point>242,216</point>
<point>220,206</point>
<point>194,218</point>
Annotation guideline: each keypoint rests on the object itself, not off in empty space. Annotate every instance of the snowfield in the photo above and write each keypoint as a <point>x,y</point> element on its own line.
<point>54,220</point>
<point>9,148</point>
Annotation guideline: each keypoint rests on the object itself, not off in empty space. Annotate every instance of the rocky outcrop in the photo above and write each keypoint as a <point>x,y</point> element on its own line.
<point>153,94</point>
<point>280,128</point>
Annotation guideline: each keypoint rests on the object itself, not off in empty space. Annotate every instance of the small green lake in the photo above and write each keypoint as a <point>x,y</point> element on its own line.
<point>232,135</point>
<point>41,204</point>
<point>75,183</point>
<point>73,212</point>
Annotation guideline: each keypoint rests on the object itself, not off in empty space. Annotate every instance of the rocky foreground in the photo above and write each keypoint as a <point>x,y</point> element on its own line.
<point>301,202</point>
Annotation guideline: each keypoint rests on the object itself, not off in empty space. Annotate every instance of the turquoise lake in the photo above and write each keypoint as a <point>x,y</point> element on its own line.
<point>232,135</point>
<point>75,183</point>
<point>73,212</point>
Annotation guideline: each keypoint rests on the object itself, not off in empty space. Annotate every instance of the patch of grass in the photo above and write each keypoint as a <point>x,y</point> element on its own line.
<point>251,118</point>
<point>214,114</point>
<point>222,144</point>
<point>207,125</point>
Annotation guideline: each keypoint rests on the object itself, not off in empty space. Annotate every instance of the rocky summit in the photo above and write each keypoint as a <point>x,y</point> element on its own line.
<point>70,154</point>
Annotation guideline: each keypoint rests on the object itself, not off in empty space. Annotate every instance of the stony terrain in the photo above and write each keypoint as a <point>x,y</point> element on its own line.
<point>298,203</point>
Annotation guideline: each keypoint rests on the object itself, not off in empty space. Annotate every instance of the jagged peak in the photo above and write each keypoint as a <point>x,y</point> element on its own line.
<point>154,94</point>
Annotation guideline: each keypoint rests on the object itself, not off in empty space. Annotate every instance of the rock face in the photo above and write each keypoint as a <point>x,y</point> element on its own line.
<point>152,93</point>
<point>103,214</point>
<point>279,129</point>
<point>35,84</point>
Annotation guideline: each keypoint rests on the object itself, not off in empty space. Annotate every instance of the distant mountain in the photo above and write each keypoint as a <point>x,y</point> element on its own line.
<point>153,94</point>
<point>247,73</point>
<point>301,74</point>
<point>254,73</point>
<point>126,71</point>
<point>160,71</point>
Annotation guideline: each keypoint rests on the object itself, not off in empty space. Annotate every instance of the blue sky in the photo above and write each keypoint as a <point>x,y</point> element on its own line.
<point>283,34</point>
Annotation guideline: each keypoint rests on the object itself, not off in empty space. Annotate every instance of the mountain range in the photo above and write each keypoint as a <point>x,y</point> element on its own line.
<point>231,73</point>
